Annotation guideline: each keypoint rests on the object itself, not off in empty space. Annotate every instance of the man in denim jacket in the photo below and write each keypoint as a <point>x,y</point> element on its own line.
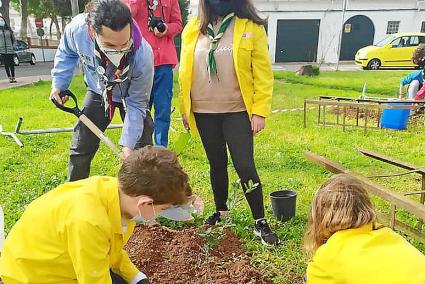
<point>118,71</point>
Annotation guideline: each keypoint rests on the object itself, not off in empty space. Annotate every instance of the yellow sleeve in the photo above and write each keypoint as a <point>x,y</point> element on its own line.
<point>183,62</point>
<point>317,274</point>
<point>126,269</point>
<point>262,72</point>
<point>88,248</point>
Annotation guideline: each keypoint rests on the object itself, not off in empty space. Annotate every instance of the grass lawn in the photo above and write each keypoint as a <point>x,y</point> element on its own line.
<point>41,165</point>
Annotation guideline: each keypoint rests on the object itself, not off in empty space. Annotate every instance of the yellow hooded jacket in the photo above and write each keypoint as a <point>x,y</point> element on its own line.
<point>367,256</point>
<point>252,66</point>
<point>72,234</point>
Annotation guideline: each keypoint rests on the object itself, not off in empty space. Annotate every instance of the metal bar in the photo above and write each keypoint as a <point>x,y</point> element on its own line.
<point>392,216</point>
<point>318,116</point>
<point>344,118</point>
<point>372,99</point>
<point>391,161</point>
<point>414,193</point>
<point>357,116</point>
<point>305,114</point>
<point>360,105</point>
<point>324,115</point>
<point>402,227</point>
<point>337,115</point>
<point>13,135</point>
<point>365,120</point>
<point>59,130</point>
<point>394,175</point>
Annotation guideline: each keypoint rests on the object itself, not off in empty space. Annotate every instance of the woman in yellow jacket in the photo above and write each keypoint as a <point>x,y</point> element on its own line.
<point>349,247</point>
<point>226,85</point>
<point>75,233</point>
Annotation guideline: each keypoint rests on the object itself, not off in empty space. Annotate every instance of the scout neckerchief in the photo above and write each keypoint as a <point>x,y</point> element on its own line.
<point>211,63</point>
<point>120,75</point>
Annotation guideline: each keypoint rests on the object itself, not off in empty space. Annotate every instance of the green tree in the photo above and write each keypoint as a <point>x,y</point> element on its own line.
<point>4,10</point>
<point>184,10</point>
<point>24,19</point>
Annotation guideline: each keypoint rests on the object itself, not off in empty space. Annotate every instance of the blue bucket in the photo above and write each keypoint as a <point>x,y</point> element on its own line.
<point>395,118</point>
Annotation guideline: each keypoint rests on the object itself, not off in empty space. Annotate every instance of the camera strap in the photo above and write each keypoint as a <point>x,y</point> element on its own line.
<point>152,8</point>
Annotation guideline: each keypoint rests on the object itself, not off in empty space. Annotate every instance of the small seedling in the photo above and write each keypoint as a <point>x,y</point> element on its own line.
<point>214,234</point>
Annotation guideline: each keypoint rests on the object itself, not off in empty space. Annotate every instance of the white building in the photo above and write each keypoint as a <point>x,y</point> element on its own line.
<point>309,30</point>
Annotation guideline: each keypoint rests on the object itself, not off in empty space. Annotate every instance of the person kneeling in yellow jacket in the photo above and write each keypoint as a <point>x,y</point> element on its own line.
<point>76,232</point>
<point>349,247</point>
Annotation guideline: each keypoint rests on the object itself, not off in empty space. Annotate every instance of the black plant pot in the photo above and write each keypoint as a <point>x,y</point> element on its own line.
<point>283,204</point>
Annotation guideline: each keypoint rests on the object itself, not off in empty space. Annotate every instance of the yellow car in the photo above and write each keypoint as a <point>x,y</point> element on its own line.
<point>395,50</point>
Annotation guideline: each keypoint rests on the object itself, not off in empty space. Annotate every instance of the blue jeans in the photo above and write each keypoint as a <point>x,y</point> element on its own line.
<point>161,96</point>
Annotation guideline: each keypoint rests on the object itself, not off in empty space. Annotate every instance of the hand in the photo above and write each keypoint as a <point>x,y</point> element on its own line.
<point>185,122</point>
<point>125,153</point>
<point>54,95</point>
<point>257,123</point>
<point>159,34</point>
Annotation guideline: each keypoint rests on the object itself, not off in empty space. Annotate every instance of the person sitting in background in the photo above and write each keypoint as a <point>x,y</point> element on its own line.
<point>415,80</point>
<point>7,49</point>
<point>76,232</point>
<point>349,246</point>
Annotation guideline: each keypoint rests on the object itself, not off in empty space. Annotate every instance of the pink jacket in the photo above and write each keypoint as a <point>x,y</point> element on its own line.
<point>163,48</point>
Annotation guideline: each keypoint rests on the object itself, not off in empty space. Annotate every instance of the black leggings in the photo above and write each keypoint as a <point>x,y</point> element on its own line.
<point>233,130</point>
<point>9,65</point>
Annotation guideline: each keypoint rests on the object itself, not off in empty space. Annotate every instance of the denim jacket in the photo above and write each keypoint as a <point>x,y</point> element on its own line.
<point>76,44</point>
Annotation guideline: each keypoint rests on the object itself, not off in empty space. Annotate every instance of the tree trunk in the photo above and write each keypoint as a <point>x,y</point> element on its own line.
<point>24,19</point>
<point>58,30</point>
<point>4,10</point>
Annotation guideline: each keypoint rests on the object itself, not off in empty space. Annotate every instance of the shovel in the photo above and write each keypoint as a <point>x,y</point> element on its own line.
<point>84,119</point>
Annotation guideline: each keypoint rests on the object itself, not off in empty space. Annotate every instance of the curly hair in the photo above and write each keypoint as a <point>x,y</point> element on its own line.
<point>419,55</point>
<point>155,172</point>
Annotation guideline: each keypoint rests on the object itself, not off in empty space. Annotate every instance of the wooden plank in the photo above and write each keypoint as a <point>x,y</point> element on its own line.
<point>391,161</point>
<point>327,164</point>
<point>394,198</point>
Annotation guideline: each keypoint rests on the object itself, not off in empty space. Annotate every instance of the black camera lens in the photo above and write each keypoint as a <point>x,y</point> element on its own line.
<point>160,27</point>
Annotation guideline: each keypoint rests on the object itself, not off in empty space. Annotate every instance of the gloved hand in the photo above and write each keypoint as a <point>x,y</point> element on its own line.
<point>144,281</point>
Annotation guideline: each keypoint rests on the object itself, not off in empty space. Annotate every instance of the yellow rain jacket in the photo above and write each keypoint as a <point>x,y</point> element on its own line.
<point>252,66</point>
<point>73,234</point>
<point>367,256</point>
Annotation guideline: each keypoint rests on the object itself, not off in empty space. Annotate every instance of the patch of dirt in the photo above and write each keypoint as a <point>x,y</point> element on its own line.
<point>373,115</point>
<point>182,257</point>
<point>352,113</point>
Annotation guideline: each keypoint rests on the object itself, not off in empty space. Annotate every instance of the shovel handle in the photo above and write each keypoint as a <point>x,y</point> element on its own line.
<point>74,110</point>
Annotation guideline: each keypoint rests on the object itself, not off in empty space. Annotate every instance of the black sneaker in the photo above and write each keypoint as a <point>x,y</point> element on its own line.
<point>213,219</point>
<point>267,236</point>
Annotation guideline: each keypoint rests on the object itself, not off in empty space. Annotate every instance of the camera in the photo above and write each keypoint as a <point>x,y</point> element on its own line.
<point>158,23</point>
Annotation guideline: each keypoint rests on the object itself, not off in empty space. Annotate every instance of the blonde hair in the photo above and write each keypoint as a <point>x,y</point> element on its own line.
<point>341,203</point>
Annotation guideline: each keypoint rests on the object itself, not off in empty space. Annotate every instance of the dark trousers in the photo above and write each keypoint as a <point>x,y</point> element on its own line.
<point>116,279</point>
<point>161,96</point>
<point>85,144</point>
<point>9,65</point>
<point>234,131</point>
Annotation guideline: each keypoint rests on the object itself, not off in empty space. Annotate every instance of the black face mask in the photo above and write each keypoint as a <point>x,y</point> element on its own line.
<point>220,7</point>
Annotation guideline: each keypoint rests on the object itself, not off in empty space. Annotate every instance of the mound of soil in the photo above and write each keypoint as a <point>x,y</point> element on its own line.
<point>182,257</point>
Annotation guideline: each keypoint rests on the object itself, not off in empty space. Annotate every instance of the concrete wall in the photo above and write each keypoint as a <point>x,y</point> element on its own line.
<point>330,15</point>
<point>49,54</point>
<point>410,13</point>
